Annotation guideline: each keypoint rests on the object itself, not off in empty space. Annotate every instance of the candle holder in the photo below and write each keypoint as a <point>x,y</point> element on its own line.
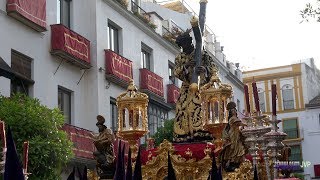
<point>132,116</point>
<point>250,133</point>
<point>275,138</point>
<point>215,97</point>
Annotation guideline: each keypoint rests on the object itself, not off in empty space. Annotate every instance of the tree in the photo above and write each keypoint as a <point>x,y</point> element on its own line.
<point>50,149</point>
<point>311,11</point>
<point>165,132</point>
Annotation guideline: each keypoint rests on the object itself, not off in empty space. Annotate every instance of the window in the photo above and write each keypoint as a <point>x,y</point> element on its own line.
<point>238,104</point>
<point>64,103</point>
<point>295,153</point>
<point>113,38</point>
<point>287,94</point>
<point>146,56</point>
<point>113,114</point>
<point>261,100</point>
<point>156,117</point>
<point>172,78</point>
<point>64,12</point>
<point>21,66</point>
<point>290,127</point>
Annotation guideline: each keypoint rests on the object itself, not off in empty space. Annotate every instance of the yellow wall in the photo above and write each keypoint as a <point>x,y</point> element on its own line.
<point>295,73</point>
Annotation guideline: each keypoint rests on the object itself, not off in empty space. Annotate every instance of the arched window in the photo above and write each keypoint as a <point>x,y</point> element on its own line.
<point>262,100</point>
<point>287,95</point>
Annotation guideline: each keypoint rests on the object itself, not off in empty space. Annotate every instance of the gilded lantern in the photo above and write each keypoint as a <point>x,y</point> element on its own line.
<point>215,97</point>
<point>132,115</point>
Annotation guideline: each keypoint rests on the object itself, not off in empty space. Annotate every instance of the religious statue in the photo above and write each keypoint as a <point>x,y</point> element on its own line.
<point>104,154</point>
<point>233,149</point>
<point>188,125</point>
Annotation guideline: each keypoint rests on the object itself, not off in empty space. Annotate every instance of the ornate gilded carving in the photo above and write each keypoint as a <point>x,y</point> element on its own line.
<point>157,167</point>
<point>188,124</point>
<point>104,154</point>
<point>234,149</point>
<point>244,172</point>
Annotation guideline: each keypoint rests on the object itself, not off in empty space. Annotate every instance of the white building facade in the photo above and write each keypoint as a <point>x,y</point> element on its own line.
<point>297,86</point>
<point>80,55</point>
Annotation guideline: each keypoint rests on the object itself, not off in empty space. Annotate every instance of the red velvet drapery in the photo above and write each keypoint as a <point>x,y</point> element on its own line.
<point>118,66</point>
<point>151,82</point>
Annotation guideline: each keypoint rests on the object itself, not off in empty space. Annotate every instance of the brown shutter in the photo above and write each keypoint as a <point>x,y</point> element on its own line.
<point>21,65</point>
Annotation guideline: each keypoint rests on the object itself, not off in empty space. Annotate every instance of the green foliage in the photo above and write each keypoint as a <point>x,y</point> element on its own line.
<point>165,132</point>
<point>300,176</point>
<point>49,147</point>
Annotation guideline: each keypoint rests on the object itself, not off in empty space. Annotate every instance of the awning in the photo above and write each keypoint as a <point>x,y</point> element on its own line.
<point>5,70</point>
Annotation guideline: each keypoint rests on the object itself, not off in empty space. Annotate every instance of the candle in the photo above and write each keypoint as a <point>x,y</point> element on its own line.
<point>25,155</point>
<point>256,97</point>
<point>3,134</point>
<point>274,99</point>
<point>246,95</point>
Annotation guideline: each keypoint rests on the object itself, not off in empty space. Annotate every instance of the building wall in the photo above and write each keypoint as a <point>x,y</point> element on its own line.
<point>310,145</point>
<point>227,75</point>
<point>90,97</point>
<point>301,78</point>
<point>132,36</point>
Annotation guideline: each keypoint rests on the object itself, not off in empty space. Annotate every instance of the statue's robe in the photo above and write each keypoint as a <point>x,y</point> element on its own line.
<point>188,125</point>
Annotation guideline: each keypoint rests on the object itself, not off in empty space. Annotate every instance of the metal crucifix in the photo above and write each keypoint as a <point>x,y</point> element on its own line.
<point>198,28</point>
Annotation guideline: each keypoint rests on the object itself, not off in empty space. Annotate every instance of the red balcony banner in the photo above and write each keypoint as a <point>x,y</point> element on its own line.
<point>82,140</point>
<point>151,81</point>
<point>173,93</point>
<point>70,42</point>
<point>118,66</point>
<point>33,10</point>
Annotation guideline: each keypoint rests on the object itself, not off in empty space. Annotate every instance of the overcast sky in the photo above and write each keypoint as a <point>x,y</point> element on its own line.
<point>263,33</point>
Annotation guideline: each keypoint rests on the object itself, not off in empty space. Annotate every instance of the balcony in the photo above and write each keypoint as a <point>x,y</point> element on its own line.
<point>142,14</point>
<point>173,93</point>
<point>118,68</point>
<point>30,13</point>
<point>70,46</point>
<point>82,140</point>
<point>151,82</point>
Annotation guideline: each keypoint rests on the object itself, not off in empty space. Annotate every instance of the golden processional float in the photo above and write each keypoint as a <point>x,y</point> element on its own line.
<point>206,123</point>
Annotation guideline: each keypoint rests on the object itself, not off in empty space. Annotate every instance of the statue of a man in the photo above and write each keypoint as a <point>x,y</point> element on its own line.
<point>234,149</point>
<point>188,124</point>
<point>104,154</point>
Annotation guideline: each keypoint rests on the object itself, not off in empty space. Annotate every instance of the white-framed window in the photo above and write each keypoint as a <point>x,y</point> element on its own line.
<point>64,103</point>
<point>238,104</point>
<point>156,117</point>
<point>114,36</point>
<point>287,96</point>
<point>172,78</point>
<point>113,114</point>
<point>262,100</point>
<point>146,57</point>
<point>64,12</point>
